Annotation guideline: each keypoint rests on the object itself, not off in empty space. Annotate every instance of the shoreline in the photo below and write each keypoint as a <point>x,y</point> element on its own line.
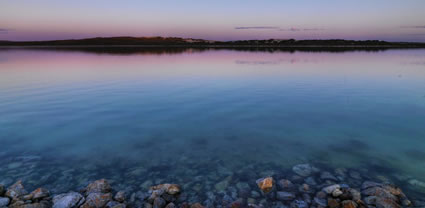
<point>306,186</point>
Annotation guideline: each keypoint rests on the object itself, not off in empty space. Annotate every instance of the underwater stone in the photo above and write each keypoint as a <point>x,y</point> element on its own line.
<point>368,184</point>
<point>2,190</point>
<point>285,184</point>
<point>303,169</point>
<point>168,188</point>
<point>310,181</point>
<point>159,202</point>
<point>331,188</point>
<point>299,204</point>
<point>333,203</point>
<point>68,200</point>
<point>349,204</point>
<point>336,193</point>
<point>120,196</point>
<point>255,194</point>
<point>196,205</point>
<point>265,184</point>
<point>171,205</point>
<point>327,176</point>
<point>221,186</point>
<point>285,196</point>
<point>16,190</point>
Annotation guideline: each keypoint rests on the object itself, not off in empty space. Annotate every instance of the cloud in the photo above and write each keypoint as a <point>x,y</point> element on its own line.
<point>294,29</point>
<point>413,27</point>
<point>4,30</point>
<point>257,28</point>
<point>291,29</point>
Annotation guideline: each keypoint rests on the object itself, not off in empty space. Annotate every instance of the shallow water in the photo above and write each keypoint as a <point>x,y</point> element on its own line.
<point>195,117</point>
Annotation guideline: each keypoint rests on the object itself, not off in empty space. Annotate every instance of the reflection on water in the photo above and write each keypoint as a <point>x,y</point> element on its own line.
<point>70,116</point>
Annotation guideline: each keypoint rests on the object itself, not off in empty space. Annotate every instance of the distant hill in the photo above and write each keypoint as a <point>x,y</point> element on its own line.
<point>188,42</point>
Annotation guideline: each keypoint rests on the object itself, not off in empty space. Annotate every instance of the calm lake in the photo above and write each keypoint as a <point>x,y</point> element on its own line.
<point>196,117</point>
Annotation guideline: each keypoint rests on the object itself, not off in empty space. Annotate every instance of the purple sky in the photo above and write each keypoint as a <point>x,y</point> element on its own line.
<point>392,20</point>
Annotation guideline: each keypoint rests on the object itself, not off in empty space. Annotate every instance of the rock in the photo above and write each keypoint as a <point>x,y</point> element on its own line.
<point>114,204</point>
<point>356,195</point>
<point>171,205</point>
<point>327,176</point>
<point>333,203</point>
<point>303,169</point>
<point>370,200</point>
<point>265,184</point>
<point>368,184</point>
<point>285,196</point>
<point>172,189</point>
<point>310,181</point>
<point>222,186</point>
<point>305,188</point>
<point>4,201</point>
<point>99,186</point>
<point>43,204</point>
<point>330,189</point>
<point>255,194</point>
<point>68,200</point>
<point>120,196</point>
<point>159,202</point>
<point>40,193</point>
<point>196,205</point>
<point>16,190</point>
<point>299,204</point>
<point>97,200</point>
<point>356,175</point>
<point>349,204</point>
<point>336,193</point>
<point>285,184</point>
<point>321,202</point>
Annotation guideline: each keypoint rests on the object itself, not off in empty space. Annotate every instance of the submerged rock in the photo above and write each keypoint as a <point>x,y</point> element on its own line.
<point>68,200</point>
<point>285,196</point>
<point>265,184</point>
<point>332,188</point>
<point>2,190</point>
<point>385,196</point>
<point>172,189</point>
<point>120,196</point>
<point>303,169</point>
<point>16,190</point>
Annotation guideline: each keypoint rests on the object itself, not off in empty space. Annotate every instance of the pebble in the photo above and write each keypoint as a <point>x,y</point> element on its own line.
<point>265,184</point>
<point>330,189</point>
<point>303,169</point>
<point>285,196</point>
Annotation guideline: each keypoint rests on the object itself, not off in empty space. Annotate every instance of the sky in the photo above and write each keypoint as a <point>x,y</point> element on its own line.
<point>390,20</point>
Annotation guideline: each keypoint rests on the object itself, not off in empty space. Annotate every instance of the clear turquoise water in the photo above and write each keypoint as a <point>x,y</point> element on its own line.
<point>68,117</point>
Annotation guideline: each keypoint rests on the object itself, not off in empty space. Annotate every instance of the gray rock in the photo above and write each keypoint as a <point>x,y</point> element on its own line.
<point>16,190</point>
<point>68,200</point>
<point>255,194</point>
<point>299,204</point>
<point>369,184</point>
<point>327,176</point>
<point>310,181</point>
<point>4,201</point>
<point>114,204</point>
<point>331,188</point>
<point>303,169</point>
<point>120,196</point>
<point>285,184</point>
<point>171,205</point>
<point>285,196</point>
<point>321,202</point>
<point>159,202</point>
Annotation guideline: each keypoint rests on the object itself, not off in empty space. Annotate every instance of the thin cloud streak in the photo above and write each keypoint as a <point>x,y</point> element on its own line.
<point>257,28</point>
<point>414,27</point>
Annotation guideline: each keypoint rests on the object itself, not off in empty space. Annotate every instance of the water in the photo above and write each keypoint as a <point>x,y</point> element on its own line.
<point>195,117</point>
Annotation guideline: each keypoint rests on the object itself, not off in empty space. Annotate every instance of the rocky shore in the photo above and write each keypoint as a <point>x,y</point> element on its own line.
<point>306,187</point>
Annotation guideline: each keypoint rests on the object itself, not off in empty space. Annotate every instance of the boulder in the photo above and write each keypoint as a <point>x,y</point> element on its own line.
<point>265,184</point>
<point>4,201</point>
<point>99,186</point>
<point>97,200</point>
<point>16,190</point>
<point>40,193</point>
<point>68,200</point>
